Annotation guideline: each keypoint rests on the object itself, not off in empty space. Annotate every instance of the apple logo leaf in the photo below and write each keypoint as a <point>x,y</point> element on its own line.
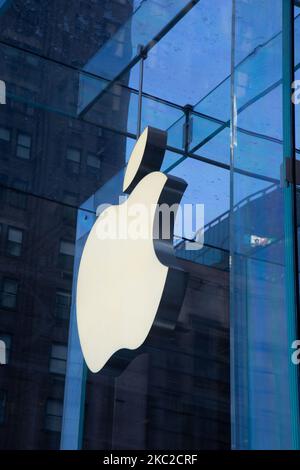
<point>127,284</point>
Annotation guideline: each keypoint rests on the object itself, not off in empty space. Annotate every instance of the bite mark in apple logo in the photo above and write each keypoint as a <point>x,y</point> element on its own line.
<point>127,286</point>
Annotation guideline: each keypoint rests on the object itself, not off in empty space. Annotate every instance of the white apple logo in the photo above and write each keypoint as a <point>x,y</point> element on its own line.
<point>121,282</point>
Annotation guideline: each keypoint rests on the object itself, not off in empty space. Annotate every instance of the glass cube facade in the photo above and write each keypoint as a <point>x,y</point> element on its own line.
<point>79,83</point>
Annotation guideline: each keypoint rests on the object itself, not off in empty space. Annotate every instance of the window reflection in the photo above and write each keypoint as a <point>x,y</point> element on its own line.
<point>9,293</point>
<point>62,304</point>
<point>58,359</point>
<point>54,409</point>
<point>23,146</point>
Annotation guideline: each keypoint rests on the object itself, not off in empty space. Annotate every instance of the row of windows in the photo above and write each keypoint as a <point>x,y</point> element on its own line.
<point>23,149</point>
<point>19,198</point>
<point>73,155</point>
<point>14,246</point>
<point>53,413</point>
<point>9,294</point>
<point>57,365</point>
<point>58,358</point>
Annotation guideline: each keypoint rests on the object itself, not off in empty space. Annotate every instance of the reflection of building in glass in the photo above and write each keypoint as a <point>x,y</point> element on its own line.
<point>69,120</point>
<point>61,160</point>
<point>176,394</point>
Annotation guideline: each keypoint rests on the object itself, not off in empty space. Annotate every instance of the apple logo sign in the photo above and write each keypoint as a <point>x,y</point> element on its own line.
<point>128,285</point>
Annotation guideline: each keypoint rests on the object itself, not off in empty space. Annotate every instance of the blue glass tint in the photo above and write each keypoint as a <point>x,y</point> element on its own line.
<point>64,31</point>
<point>176,133</point>
<point>257,96</point>
<point>149,22</point>
<point>216,148</point>
<point>263,389</point>
<point>74,399</point>
<point>116,109</point>
<point>208,186</point>
<point>178,74</point>
<point>37,82</point>
<point>76,157</point>
<point>161,115</point>
<point>75,382</point>
<point>161,350</point>
<point>297,77</point>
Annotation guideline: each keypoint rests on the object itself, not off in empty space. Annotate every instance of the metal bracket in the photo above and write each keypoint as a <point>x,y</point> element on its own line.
<point>187,127</point>
<point>292,171</point>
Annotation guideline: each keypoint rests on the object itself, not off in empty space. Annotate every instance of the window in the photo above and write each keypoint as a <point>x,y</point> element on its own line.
<point>4,134</point>
<point>58,361</point>
<point>70,213</point>
<point>62,304</point>
<point>73,160</point>
<point>2,352</point>
<point>93,161</point>
<point>18,198</point>
<point>14,241</point>
<point>73,155</point>
<point>66,254</point>
<point>6,339</point>
<point>23,146</point>
<point>54,410</point>
<point>9,293</point>
<point>2,406</point>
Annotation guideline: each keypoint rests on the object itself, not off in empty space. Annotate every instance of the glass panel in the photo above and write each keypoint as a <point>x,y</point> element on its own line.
<point>297,77</point>
<point>116,109</point>
<point>255,99</point>
<point>149,23</point>
<point>179,52</point>
<point>264,394</point>
<point>159,114</point>
<point>175,393</point>
<point>207,185</point>
<point>30,316</point>
<point>48,173</point>
<point>174,418</point>
<point>66,32</point>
